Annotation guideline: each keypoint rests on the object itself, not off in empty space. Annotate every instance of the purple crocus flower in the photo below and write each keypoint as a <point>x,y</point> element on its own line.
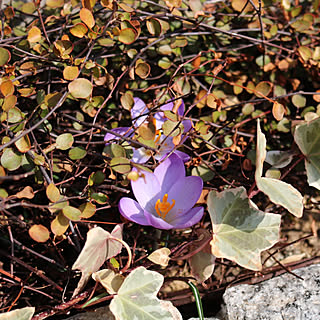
<point>165,198</point>
<point>139,114</point>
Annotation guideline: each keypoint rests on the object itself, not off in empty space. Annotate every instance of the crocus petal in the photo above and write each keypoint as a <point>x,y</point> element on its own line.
<point>124,131</point>
<point>169,171</point>
<point>141,155</point>
<point>186,192</point>
<point>139,108</point>
<point>145,188</point>
<point>187,125</point>
<point>158,222</point>
<point>183,156</point>
<point>187,219</point>
<point>132,211</point>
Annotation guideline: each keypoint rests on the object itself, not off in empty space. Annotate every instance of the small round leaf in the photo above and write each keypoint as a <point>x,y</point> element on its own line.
<point>39,233</point>
<point>72,213</point>
<point>127,36</point>
<point>70,72</point>
<point>11,159</point>
<point>5,56</point>
<point>77,153</point>
<point>87,210</point>
<point>64,141</point>
<point>53,193</point>
<point>80,88</point>
<point>120,164</point>
<point>59,225</point>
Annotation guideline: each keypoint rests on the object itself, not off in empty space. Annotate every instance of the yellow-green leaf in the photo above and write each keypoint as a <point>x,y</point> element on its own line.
<point>80,88</point>
<point>53,193</point>
<point>64,141</point>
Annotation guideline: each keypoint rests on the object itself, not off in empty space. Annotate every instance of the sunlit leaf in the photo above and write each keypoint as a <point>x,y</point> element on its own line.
<point>279,192</point>
<point>80,88</point>
<point>72,213</point>
<point>99,197</point>
<point>98,248</point>
<point>79,30</point>
<point>142,69</point>
<point>64,141</point>
<point>127,100</point>
<point>173,3</point>
<point>5,56</point>
<point>9,102</point>
<point>110,280</point>
<point>54,3</point>
<point>305,53</point>
<point>264,87</point>
<point>240,231</point>
<point>59,225</point>
<point>307,137</point>
<point>164,63</point>
<point>18,314</point>
<point>86,16</point>
<point>26,192</point>
<point>23,144</point>
<point>120,164</point>
<point>70,72</point>
<point>299,100</point>
<point>279,159</point>
<point>160,256</point>
<point>127,36</point>
<point>39,233</point>
<point>11,159</point>
<point>154,26</point>
<point>7,87</point>
<point>53,193</point>
<point>34,35</point>
<point>77,153</point>
<point>114,150</point>
<point>171,128</point>
<point>97,178</point>
<point>278,110</point>
<point>87,209</point>
<point>137,297</point>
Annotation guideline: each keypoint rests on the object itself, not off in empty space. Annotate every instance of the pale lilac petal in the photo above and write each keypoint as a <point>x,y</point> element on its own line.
<point>159,115</point>
<point>141,155</point>
<point>187,219</point>
<point>139,108</point>
<point>187,125</point>
<point>145,188</point>
<point>132,211</point>
<point>186,192</point>
<point>183,156</point>
<point>170,171</point>
<point>123,131</point>
<point>158,222</point>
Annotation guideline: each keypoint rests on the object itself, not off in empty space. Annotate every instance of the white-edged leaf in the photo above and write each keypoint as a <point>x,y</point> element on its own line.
<point>279,192</point>
<point>137,297</point>
<point>279,159</point>
<point>18,314</point>
<point>202,263</point>
<point>307,137</point>
<point>110,280</point>
<point>160,256</point>
<point>240,231</point>
<point>98,248</point>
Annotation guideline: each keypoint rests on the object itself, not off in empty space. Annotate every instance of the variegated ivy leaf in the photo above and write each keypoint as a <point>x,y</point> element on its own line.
<point>240,231</point>
<point>279,192</point>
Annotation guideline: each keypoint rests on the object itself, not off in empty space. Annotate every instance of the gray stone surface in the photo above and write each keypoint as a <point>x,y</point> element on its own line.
<point>282,298</point>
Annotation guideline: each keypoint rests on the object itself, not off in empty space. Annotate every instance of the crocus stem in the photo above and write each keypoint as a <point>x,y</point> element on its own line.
<point>157,239</point>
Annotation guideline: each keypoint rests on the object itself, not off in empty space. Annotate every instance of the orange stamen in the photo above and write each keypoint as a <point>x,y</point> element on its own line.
<point>163,207</point>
